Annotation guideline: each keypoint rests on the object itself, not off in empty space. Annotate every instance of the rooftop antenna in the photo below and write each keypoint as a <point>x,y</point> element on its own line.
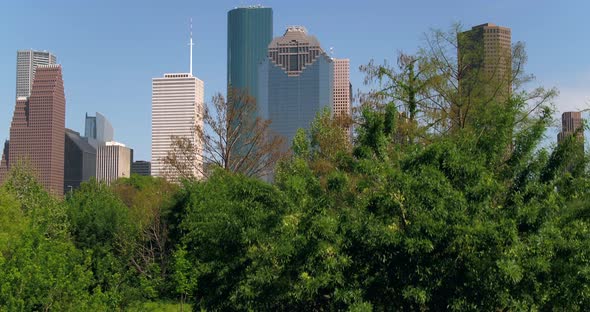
<point>332,52</point>
<point>191,47</point>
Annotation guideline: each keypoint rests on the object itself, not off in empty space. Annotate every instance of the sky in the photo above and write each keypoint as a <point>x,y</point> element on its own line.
<point>111,49</point>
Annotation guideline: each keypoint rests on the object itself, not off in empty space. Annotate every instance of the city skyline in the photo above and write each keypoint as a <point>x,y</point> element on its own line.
<point>145,51</point>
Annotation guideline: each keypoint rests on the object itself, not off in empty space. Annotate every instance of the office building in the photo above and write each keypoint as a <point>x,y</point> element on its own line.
<point>141,167</point>
<point>295,82</point>
<point>37,130</point>
<point>27,62</point>
<point>79,161</point>
<point>249,31</point>
<point>570,123</point>
<point>98,130</point>
<point>113,161</point>
<point>177,112</point>
<point>342,97</point>
<point>485,59</point>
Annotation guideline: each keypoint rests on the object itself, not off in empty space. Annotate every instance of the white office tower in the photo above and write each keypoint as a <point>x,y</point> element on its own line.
<point>113,161</point>
<point>177,112</point>
<point>26,65</point>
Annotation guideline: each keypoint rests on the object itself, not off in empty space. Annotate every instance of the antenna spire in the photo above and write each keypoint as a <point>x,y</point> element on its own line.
<point>191,47</point>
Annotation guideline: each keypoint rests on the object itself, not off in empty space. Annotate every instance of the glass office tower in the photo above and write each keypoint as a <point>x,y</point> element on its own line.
<point>295,82</point>
<point>249,31</point>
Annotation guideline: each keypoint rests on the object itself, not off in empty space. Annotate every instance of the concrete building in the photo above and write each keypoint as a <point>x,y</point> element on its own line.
<point>79,161</point>
<point>141,167</point>
<point>485,58</point>
<point>98,130</point>
<point>26,66</point>
<point>249,31</point>
<point>37,130</point>
<point>295,82</point>
<point>177,110</point>
<point>342,97</point>
<point>570,123</point>
<point>113,161</point>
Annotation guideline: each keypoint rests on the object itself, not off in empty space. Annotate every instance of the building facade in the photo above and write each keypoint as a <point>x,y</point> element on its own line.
<point>26,66</point>
<point>98,130</point>
<point>570,123</point>
<point>79,161</point>
<point>295,82</point>
<point>249,31</point>
<point>141,167</point>
<point>37,130</point>
<point>177,111</point>
<point>113,161</point>
<point>485,57</point>
<point>342,97</point>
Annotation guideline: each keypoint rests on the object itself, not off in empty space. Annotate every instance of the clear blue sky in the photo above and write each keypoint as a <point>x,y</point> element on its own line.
<point>110,49</point>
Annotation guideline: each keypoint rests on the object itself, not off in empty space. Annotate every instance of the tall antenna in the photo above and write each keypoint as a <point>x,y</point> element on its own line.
<point>191,47</point>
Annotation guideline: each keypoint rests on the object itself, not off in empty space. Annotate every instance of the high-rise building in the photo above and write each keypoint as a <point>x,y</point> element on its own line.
<point>249,31</point>
<point>570,123</point>
<point>342,97</point>
<point>177,111</point>
<point>26,66</point>
<point>485,59</point>
<point>295,82</point>
<point>79,161</point>
<point>141,167</point>
<point>37,130</point>
<point>98,130</point>
<point>113,161</point>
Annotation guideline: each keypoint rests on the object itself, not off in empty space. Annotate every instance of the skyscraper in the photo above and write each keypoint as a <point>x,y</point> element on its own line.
<point>37,130</point>
<point>485,58</point>
<point>98,130</point>
<point>295,82</point>
<point>79,160</point>
<point>26,65</point>
<point>177,111</point>
<point>113,161</point>
<point>249,31</point>
<point>570,123</point>
<point>342,90</point>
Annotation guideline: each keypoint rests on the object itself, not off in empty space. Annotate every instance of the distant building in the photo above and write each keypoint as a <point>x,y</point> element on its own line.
<point>570,123</point>
<point>98,130</point>
<point>79,160</point>
<point>113,161</point>
<point>295,82</point>
<point>249,31</point>
<point>26,66</point>
<point>141,167</point>
<point>37,130</point>
<point>342,97</point>
<point>484,67</point>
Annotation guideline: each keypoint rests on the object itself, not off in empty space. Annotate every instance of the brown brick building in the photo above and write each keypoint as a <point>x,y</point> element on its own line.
<point>570,123</point>
<point>37,130</point>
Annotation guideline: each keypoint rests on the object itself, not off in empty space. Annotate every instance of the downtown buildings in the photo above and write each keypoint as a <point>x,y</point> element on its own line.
<point>249,31</point>
<point>113,161</point>
<point>37,131</point>
<point>177,113</point>
<point>26,66</point>
<point>295,82</point>
<point>572,123</point>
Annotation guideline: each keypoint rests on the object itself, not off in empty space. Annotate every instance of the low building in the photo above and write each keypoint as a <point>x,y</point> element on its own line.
<point>141,167</point>
<point>113,161</point>
<point>79,161</point>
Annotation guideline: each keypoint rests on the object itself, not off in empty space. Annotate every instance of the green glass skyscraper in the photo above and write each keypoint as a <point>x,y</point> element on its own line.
<point>249,31</point>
